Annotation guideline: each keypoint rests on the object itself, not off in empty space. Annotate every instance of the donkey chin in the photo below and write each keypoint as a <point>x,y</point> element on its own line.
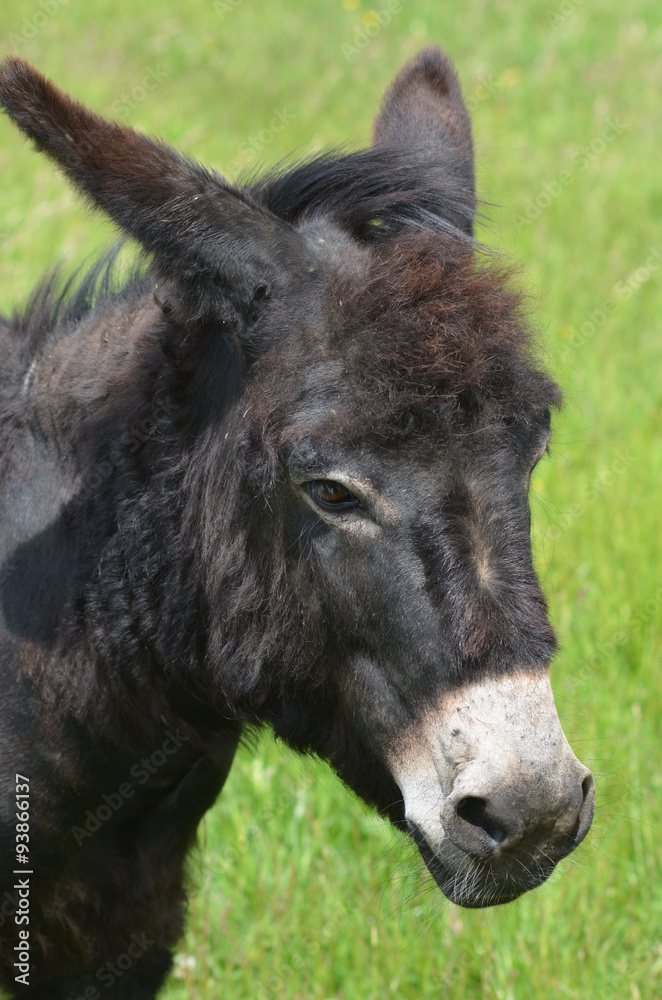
<point>494,796</point>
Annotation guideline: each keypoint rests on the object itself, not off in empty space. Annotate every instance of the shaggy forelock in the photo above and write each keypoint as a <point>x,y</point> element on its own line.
<point>431,327</point>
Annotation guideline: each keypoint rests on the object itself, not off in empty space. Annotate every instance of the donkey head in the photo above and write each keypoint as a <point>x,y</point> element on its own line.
<point>364,526</point>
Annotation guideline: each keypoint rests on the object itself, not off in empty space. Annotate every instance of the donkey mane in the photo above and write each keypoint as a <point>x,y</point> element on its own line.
<point>386,185</point>
<point>373,193</point>
<point>59,302</point>
<point>428,319</point>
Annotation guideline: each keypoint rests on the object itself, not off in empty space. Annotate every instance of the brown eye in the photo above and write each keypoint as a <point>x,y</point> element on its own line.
<point>332,495</point>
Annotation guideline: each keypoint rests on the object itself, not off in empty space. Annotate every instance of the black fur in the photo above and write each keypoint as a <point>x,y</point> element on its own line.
<point>165,578</point>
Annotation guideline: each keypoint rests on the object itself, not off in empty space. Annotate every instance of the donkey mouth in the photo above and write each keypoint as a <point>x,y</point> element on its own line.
<point>474,883</point>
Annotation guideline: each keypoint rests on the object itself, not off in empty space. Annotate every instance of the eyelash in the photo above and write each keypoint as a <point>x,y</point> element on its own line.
<point>330,495</point>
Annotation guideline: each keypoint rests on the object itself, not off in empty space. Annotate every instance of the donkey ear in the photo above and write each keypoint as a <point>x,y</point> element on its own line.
<point>208,238</point>
<point>423,111</point>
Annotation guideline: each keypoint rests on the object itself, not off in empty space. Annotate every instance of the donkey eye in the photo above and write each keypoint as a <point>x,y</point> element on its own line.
<point>332,495</point>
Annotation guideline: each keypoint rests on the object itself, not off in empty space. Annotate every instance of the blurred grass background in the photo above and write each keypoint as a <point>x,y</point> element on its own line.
<point>300,892</point>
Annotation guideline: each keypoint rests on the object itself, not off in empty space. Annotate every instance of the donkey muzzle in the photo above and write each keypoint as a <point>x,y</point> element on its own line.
<point>494,795</point>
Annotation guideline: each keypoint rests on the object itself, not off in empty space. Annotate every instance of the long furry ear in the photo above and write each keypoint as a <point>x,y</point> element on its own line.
<point>208,237</point>
<point>423,111</point>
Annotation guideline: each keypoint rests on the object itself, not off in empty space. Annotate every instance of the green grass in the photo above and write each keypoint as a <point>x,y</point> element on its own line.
<point>301,892</point>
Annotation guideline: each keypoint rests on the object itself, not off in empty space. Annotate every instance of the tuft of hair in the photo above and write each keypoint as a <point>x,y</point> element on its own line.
<point>432,330</point>
<point>398,187</point>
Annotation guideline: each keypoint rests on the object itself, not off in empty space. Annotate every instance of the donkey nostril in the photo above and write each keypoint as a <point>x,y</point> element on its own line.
<point>585,814</point>
<point>588,785</point>
<point>474,811</point>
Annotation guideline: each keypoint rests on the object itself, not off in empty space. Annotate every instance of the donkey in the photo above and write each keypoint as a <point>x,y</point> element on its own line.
<point>276,474</point>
